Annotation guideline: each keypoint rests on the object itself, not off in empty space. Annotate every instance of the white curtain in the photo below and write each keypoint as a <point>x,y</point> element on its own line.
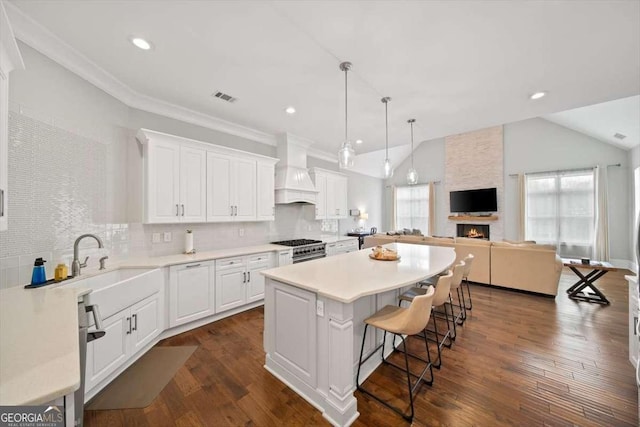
<point>560,210</point>
<point>522,200</point>
<point>432,208</point>
<point>601,240</point>
<point>412,208</point>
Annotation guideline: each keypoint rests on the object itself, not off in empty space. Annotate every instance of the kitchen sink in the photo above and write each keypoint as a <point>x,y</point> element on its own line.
<point>116,290</point>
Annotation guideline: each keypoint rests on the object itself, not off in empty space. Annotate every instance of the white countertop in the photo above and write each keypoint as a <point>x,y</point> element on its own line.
<point>39,353</point>
<point>351,276</point>
<point>168,260</point>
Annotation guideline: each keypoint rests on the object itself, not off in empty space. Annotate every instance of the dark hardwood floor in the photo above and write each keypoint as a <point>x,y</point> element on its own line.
<point>518,360</point>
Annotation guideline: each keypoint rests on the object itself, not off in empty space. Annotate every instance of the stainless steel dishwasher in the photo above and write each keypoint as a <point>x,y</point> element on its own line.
<point>85,336</point>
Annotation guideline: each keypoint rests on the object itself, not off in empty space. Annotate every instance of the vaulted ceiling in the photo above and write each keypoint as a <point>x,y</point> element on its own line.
<point>455,66</point>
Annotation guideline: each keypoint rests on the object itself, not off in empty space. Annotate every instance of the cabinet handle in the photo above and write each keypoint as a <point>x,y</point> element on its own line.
<point>249,276</point>
<point>182,210</point>
<point>177,210</point>
<point>129,320</point>
<point>235,210</point>
<point>2,202</point>
<point>193,265</point>
<point>135,322</point>
<point>231,210</point>
<point>244,277</point>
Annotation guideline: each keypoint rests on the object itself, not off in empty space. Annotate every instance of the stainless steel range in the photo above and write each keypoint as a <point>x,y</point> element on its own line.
<point>305,249</point>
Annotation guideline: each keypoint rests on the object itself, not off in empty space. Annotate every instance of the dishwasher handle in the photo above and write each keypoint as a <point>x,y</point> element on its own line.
<point>97,319</point>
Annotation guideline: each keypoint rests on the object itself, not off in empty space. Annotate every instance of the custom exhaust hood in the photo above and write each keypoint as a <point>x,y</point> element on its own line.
<point>293,183</point>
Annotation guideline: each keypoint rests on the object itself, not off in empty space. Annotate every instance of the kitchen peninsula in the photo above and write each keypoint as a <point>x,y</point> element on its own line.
<point>313,319</point>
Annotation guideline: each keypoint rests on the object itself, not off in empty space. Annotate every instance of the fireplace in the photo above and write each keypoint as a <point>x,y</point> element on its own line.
<point>474,231</point>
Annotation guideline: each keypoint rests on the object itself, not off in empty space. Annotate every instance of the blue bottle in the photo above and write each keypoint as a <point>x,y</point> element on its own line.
<point>39,276</point>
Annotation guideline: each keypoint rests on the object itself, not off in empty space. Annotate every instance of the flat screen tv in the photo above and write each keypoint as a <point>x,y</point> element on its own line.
<point>482,200</point>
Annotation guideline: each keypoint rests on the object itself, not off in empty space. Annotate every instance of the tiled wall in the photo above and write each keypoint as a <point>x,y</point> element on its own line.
<point>63,183</point>
<point>475,160</point>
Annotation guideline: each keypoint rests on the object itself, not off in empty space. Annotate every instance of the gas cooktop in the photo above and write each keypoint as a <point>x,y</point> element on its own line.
<point>297,242</point>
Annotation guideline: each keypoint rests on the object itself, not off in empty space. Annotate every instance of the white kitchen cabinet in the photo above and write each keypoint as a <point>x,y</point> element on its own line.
<point>341,247</point>
<point>266,207</point>
<point>285,257</point>
<point>191,181</point>
<point>191,292</point>
<point>126,333</point>
<point>11,60</point>
<point>331,202</point>
<point>238,280</point>
<point>175,182</point>
<point>634,343</point>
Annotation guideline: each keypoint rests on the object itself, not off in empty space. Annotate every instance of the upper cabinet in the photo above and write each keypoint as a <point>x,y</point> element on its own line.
<point>331,202</point>
<point>10,60</point>
<point>192,181</point>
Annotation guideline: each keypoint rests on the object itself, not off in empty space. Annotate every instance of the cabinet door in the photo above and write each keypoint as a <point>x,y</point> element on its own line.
<point>243,189</point>
<point>284,258</point>
<point>255,280</point>
<point>321,200</point>
<point>332,207</point>
<point>190,293</point>
<point>4,153</point>
<point>163,182</point>
<point>219,204</point>
<point>340,194</point>
<point>193,183</point>
<point>145,322</point>
<point>266,192</point>
<point>106,354</point>
<point>230,288</point>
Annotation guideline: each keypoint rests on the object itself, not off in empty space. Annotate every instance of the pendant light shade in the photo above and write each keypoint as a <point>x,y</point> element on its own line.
<point>346,154</point>
<point>412,175</point>
<point>388,167</point>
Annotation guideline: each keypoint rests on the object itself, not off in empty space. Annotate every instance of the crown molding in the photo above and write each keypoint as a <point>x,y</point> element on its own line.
<point>47,43</point>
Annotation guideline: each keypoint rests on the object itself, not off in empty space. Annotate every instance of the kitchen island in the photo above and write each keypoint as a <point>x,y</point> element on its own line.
<point>313,319</point>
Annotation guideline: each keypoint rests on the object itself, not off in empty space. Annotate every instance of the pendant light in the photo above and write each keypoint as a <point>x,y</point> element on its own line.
<point>346,153</point>
<point>388,168</point>
<point>412,175</point>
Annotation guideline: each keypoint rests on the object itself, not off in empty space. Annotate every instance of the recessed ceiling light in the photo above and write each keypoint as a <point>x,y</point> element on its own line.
<point>537,95</point>
<point>358,141</point>
<point>290,110</point>
<point>141,43</point>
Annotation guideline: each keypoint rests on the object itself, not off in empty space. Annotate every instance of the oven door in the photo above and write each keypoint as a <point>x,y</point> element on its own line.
<point>308,257</point>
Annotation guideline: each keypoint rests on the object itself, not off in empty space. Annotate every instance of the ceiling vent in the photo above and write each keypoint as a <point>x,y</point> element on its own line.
<point>619,136</point>
<point>224,96</point>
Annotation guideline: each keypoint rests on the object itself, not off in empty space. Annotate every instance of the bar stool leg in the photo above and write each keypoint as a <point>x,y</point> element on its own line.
<point>470,306</point>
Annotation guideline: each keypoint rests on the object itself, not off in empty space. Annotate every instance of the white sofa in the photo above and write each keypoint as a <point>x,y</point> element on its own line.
<point>522,266</point>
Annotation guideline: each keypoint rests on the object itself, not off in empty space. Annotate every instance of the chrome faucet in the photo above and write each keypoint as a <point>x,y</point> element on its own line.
<point>75,265</point>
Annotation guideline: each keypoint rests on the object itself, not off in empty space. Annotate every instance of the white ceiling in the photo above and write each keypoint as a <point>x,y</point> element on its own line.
<point>454,66</point>
<point>604,120</point>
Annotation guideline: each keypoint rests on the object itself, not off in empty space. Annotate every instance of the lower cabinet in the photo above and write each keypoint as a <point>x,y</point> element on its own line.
<point>126,333</point>
<point>342,247</point>
<point>238,280</point>
<point>191,292</point>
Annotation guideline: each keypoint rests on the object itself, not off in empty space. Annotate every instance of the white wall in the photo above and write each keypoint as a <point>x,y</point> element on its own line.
<point>75,167</point>
<point>538,145</point>
<point>634,163</point>
<point>429,162</point>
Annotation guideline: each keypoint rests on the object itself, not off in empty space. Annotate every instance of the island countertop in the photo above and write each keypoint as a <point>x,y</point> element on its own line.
<point>347,277</point>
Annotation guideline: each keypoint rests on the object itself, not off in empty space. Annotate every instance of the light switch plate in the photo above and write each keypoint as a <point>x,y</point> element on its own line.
<point>167,236</point>
<point>155,238</point>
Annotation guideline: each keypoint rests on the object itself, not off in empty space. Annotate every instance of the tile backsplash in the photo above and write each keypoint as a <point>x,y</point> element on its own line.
<point>63,184</point>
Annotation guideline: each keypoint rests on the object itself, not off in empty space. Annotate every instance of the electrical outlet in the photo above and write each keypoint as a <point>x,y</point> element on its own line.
<point>241,232</point>
<point>320,308</point>
<point>167,236</point>
<point>155,238</point>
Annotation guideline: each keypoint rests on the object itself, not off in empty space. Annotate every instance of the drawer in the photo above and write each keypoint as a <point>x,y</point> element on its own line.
<point>225,263</point>
<point>261,258</point>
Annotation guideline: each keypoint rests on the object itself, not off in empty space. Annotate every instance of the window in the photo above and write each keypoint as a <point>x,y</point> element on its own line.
<point>412,208</point>
<point>560,210</point>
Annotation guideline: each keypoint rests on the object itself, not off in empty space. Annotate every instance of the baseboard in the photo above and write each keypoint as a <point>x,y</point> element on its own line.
<point>506,288</point>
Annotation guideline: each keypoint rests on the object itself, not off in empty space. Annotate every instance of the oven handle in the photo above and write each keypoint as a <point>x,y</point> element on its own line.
<point>310,258</point>
<point>97,319</point>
